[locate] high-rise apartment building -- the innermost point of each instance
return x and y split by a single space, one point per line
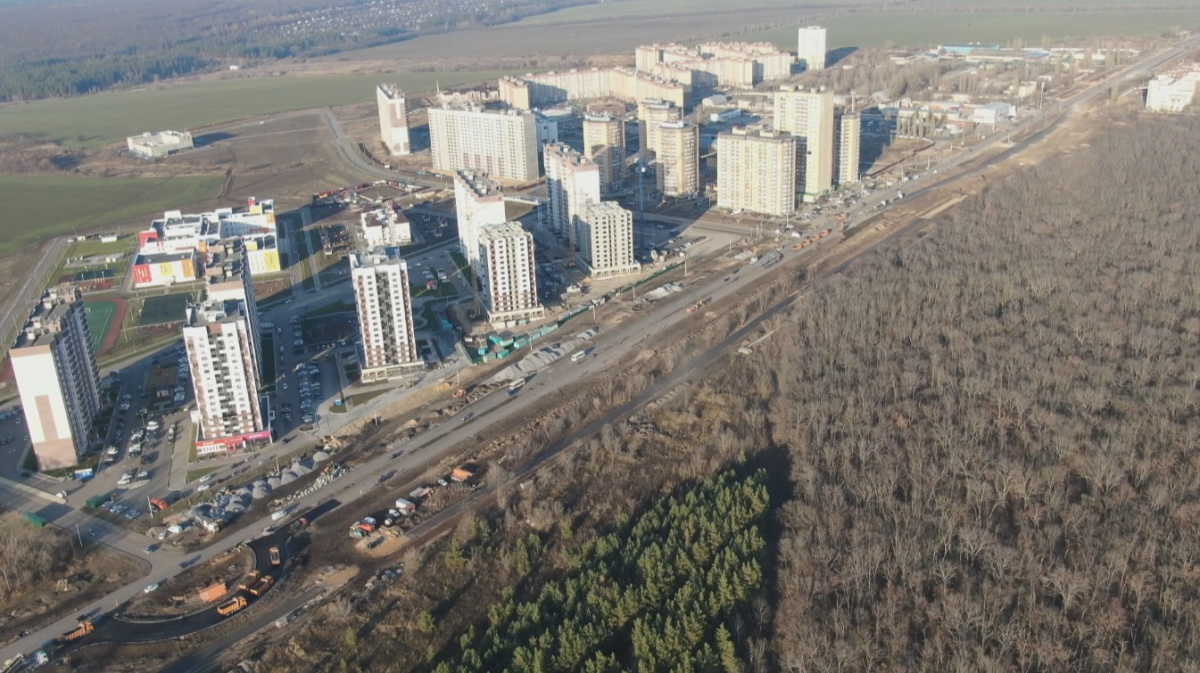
677 158
713 64
388 341
756 172
847 147
808 115
810 47
604 144
57 379
509 270
572 180
550 88
478 202
393 119
221 336
605 233
502 144
650 114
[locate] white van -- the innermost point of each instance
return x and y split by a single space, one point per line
276 516
578 356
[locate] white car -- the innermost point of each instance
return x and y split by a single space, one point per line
206 477
204 487
152 587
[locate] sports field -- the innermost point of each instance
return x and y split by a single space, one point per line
163 308
85 121
100 316
40 207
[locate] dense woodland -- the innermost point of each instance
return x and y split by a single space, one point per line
29 554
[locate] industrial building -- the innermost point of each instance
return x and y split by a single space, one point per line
159 145
677 159
58 379
388 345
166 268
847 147
756 172
478 202
1167 93
221 335
605 234
713 64
604 144
572 180
384 226
808 115
393 119
501 143
551 88
508 267
810 47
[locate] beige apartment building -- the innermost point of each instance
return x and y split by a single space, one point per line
572 180
650 113
847 147
808 115
756 172
383 298
551 88
605 233
712 64
677 159
478 202
509 271
604 144
502 144
393 119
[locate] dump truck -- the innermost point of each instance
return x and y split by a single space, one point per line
35 520
249 580
85 627
212 592
232 606
274 553
461 474
260 587
95 501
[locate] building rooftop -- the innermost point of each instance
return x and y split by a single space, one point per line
383 256
495 232
163 257
480 185
391 90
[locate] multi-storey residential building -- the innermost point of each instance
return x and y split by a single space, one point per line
808 115
501 143
847 147
677 159
572 180
551 88
756 172
604 144
393 119
388 341
650 113
221 335
714 64
506 258
478 202
57 379
605 233
810 47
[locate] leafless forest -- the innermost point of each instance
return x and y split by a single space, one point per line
992 431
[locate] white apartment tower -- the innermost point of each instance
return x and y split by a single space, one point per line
810 47
222 340
502 144
572 180
393 119
847 148
756 172
677 161
478 202
605 233
58 380
604 144
388 345
506 257
650 114
808 115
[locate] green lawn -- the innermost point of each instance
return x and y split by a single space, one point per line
161 308
85 121
100 315
39 207
1034 28
90 248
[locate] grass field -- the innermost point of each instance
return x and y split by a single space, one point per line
38 207
106 117
1035 28
163 308
100 316
89 248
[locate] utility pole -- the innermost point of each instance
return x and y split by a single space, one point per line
77 534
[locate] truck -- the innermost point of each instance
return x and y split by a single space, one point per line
461 474
212 592
274 553
95 501
232 606
35 520
261 586
85 627
249 580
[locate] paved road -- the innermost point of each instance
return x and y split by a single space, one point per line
349 154
610 348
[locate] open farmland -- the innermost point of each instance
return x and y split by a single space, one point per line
94 120
40 207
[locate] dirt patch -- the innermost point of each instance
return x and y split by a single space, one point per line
181 596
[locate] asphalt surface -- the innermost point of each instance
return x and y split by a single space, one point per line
609 348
